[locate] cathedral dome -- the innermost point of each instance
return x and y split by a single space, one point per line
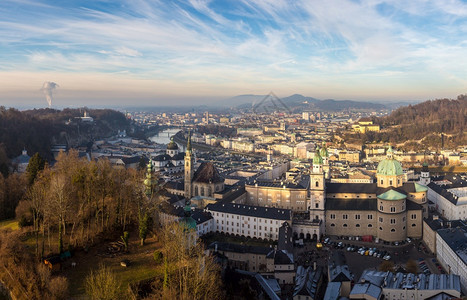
172 145
389 166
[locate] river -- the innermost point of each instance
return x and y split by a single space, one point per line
163 137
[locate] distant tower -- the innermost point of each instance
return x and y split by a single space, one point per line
282 126
269 156
188 168
206 118
425 175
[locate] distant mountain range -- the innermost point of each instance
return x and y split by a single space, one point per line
299 102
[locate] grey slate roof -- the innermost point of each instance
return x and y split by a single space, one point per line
411 281
368 188
237 248
307 281
351 204
252 211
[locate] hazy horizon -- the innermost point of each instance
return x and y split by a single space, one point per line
189 53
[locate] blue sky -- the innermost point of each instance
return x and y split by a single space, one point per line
176 52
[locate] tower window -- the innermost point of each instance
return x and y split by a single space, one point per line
316 184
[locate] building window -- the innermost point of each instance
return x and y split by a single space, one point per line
393 209
393 230
370 217
316 205
381 208
333 225
345 225
333 216
413 216
345 217
381 228
390 182
357 225
403 219
380 219
414 225
381 181
357 217
316 184
393 221
369 225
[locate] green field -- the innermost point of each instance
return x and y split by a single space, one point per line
9 224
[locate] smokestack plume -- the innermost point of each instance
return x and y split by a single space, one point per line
47 89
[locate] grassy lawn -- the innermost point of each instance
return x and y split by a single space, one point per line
9 224
142 266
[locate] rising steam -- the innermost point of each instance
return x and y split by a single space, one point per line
47 89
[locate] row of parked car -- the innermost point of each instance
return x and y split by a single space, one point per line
371 252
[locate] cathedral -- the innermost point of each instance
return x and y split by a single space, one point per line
171 162
389 210
205 181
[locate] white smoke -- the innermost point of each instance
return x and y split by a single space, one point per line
47 89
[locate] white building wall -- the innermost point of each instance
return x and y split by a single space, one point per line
451 262
262 228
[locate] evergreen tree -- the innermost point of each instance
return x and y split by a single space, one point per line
36 164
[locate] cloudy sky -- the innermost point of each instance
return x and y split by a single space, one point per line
114 52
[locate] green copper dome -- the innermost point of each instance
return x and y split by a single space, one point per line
392 195
188 223
389 166
317 159
172 145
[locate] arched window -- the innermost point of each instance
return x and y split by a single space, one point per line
333 225
393 230
196 191
345 225
357 225
209 191
369 225
202 191
317 184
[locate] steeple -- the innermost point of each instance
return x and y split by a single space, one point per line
390 153
188 143
188 168
148 182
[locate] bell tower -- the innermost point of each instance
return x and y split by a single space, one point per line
188 168
317 187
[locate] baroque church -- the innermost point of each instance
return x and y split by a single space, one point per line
389 210
205 181
171 162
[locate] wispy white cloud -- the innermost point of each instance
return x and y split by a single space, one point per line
234 45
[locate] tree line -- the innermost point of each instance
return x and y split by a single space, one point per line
431 119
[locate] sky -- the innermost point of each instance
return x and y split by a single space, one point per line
141 52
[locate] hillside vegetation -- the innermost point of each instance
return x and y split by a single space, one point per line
424 123
36 130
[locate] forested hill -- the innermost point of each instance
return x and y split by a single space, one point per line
35 130
443 115
423 124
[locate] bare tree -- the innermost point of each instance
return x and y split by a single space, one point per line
102 284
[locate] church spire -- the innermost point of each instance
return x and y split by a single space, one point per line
148 182
188 143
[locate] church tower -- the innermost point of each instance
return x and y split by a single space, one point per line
188 168
317 186
425 175
325 156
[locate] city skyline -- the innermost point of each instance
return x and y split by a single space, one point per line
199 52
